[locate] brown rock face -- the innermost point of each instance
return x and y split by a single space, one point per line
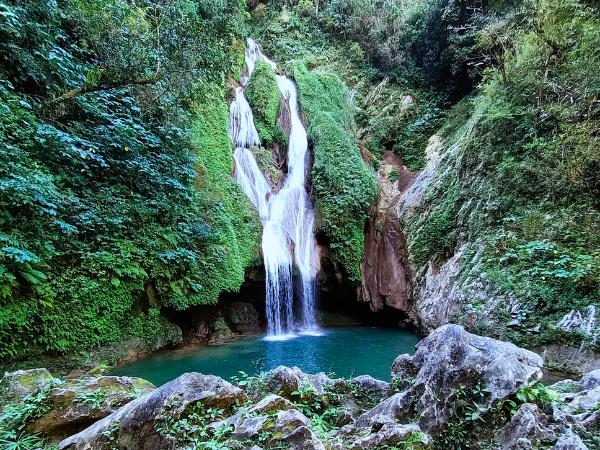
385 277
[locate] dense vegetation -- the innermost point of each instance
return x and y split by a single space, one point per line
263 96
115 190
343 184
512 89
525 160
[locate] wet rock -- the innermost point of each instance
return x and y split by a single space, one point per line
569 441
76 404
371 386
384 271
243 317
448 358
302 438
15 386
527 427
135 425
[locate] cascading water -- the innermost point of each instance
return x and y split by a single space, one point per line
288 239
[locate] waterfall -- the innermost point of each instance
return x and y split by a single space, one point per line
288 239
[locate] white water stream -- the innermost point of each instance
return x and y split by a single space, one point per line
287 216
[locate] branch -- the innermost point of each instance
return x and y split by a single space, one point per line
101 87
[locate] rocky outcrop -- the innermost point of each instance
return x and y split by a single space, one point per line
286 381
15 386
137 424
579 321
448 358
527 428
285 408
386 280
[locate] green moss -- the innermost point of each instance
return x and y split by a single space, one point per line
344 185
264 98
233 219
434 234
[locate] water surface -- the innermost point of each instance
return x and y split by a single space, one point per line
345 351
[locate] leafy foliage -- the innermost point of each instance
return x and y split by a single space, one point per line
519 175
113 204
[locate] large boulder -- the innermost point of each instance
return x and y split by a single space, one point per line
15 386
447 360
569 441
76 404
136 425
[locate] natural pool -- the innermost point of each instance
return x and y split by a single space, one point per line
346 351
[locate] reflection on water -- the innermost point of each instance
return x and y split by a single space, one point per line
343 351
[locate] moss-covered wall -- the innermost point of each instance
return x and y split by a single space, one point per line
234 220
264 98
344 186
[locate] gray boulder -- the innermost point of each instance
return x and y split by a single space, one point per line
269 404
285 380
248 427
396 408
290 420
527 427
15 386
302 438
569 441
135 426
451 357
390 435
590 380
76 404
371 386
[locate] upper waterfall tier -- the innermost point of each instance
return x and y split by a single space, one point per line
288 217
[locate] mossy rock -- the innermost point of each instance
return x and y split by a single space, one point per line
15 386
77 403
